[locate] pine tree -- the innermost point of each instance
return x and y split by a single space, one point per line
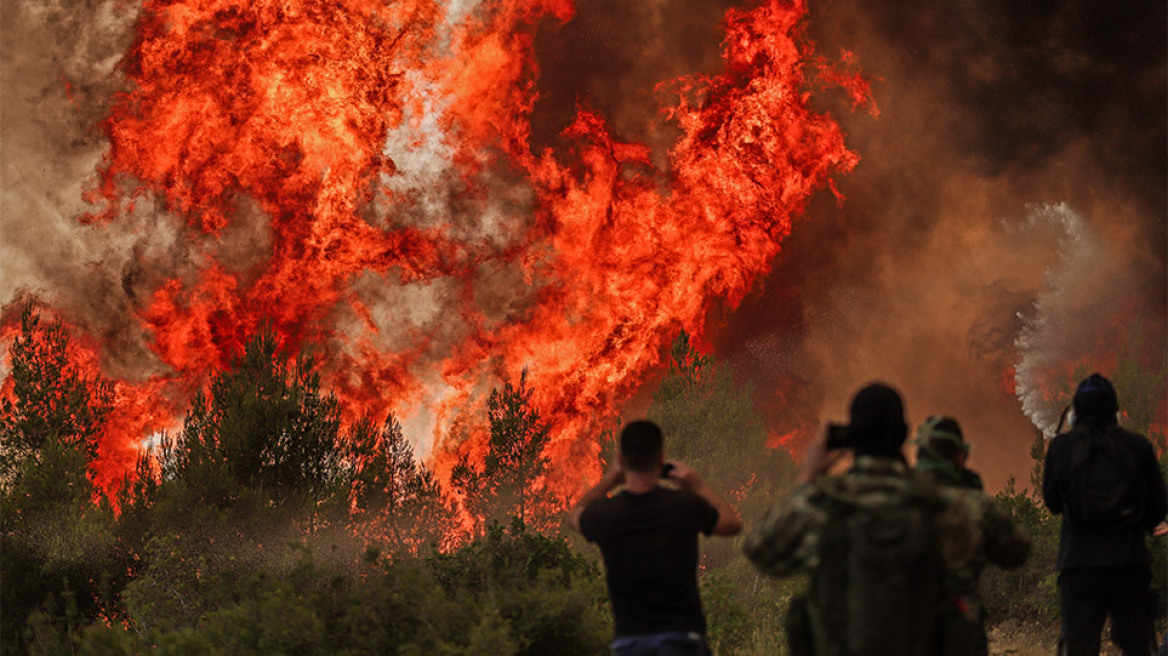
507 485
266 431
54 404
391 492
58 551
710 423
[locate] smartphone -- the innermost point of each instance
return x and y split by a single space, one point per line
837 437
666 470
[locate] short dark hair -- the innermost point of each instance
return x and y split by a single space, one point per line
641 445
877 425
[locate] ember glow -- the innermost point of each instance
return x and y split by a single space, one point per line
377 156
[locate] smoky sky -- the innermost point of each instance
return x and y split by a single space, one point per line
1013 185
990 114
989 111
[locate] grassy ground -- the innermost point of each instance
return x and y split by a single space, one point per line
1014 639
1006 639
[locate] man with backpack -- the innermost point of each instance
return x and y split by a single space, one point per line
1106 483
882 545
942 454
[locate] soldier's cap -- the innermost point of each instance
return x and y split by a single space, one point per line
940 428
877 425
1095 398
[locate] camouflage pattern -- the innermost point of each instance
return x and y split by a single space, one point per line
947 473
971 532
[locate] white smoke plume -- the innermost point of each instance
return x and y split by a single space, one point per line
1077 298
1057 325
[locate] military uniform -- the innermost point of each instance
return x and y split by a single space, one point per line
947 473
968 530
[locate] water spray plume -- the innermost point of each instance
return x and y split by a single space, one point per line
417 242
1076 319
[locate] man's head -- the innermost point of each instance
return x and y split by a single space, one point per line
1095 400
641 446
940 437
877 426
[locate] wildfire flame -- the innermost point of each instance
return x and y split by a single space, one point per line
409 232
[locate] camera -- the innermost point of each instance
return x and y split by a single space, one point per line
837 437
666 470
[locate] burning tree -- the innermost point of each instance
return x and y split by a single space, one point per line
59 551
508 483
52 411
266 430
393 495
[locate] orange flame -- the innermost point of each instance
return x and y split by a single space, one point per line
292 104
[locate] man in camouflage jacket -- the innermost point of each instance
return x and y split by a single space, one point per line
939 611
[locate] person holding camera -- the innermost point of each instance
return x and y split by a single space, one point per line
648 539
884 547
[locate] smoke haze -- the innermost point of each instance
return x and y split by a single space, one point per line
1008 211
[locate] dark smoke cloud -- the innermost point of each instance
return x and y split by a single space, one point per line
612 55
992 113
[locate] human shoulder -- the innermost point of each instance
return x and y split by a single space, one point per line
1132 438
599 512
966 500
1063 441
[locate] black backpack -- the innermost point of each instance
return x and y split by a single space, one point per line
879 586
1105 490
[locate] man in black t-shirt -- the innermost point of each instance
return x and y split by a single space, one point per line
648 537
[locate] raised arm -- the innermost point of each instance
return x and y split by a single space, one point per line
612 478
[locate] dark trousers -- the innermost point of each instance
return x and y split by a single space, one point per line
1088 595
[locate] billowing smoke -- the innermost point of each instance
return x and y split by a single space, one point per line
59 73
934 274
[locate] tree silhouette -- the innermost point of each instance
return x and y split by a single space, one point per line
507 485
59 552
266 428
53 403
391 491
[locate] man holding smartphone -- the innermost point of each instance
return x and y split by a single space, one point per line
647 534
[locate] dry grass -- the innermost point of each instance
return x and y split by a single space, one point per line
1036 639
1023 639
